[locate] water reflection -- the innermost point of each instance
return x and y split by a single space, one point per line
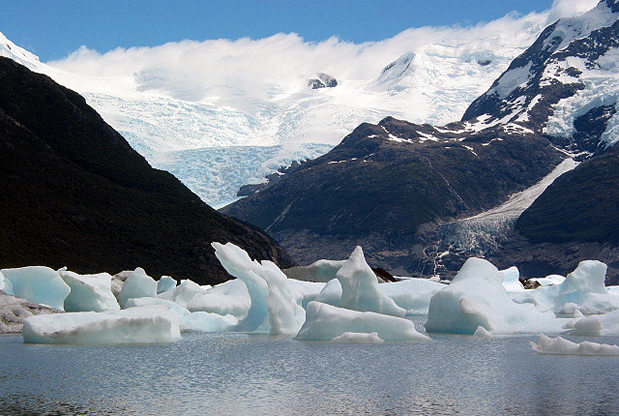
237 374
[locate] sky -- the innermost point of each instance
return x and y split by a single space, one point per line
54 29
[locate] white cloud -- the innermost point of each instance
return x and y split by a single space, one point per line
281 64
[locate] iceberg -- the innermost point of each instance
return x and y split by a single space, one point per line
175 308
183 293
5 285
38 284
207 322
325 322
275 306
511 280
562 346
476 298
137 285
595 325
146 324
331 293
412 294
583 289
358 338
91 292
165 283
228 298
319 271
360 287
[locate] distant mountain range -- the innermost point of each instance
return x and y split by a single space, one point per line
421 199
75 194
215 145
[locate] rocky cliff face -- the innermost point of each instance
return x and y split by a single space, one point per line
76 194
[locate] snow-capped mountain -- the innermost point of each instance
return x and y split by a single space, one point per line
217 138
566 82
423 198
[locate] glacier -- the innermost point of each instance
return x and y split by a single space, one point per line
217 132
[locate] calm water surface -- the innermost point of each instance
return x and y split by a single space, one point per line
239 374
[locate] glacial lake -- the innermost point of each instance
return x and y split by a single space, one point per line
242 374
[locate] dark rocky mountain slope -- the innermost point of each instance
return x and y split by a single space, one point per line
384 182
74 193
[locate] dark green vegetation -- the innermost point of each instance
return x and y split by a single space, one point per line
75 194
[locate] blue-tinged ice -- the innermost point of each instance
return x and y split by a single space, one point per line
275 306
476 297
89 292
137 285
413 295
208 322
331 293
511 280
183 293
174 307
38 284
360 287
146 324
165 283
326 322
228 298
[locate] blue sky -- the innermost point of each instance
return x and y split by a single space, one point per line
53 29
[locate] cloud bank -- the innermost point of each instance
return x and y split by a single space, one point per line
226 72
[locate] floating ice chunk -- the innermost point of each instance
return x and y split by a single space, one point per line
325 322
564 347
482 332
89 292
583 289
137 285
360 288
595 325
275 306
5 285
476 297
208 322
146 324
38 284
318 271
228 298
331 293
613 290
413 295
184 292
511 280
174 307
358 338
165 283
